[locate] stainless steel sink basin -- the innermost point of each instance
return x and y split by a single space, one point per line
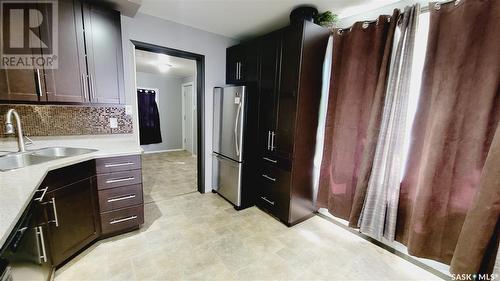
59 152
15 161
18 160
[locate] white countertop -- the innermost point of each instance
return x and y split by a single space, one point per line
17 187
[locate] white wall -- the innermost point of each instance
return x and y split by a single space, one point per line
169 34
169 107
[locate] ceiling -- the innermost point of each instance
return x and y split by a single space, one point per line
152 63
241 19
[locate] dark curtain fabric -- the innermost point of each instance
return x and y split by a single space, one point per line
149 118
358 83
456 120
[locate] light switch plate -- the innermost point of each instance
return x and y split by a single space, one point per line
113 123
128 109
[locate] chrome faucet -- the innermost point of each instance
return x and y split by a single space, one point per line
9 128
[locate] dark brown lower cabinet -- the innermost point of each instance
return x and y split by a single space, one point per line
89 200
72 219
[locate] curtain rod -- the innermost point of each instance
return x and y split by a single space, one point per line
423 9
427 7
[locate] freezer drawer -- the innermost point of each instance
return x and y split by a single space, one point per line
226 178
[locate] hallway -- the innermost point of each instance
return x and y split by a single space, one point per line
168 174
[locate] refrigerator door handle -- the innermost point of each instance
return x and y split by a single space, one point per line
238 111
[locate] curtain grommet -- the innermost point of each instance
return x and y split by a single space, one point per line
437 6
339 31
365 25
457 2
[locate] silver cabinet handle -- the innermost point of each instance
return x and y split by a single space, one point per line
238 71
126 197
38 82
91 86
270 160
54 208
120 180
268 177
123 220
44 190
267 200
110 165
84 87
39 233
272 140
268 140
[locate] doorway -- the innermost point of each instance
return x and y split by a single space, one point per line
188 118
173 159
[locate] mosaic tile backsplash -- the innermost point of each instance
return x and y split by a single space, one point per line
61 120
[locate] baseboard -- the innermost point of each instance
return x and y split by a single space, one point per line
160 151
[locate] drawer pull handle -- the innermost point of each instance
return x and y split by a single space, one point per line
111 165
267 200
123 220
270 160
44 190
120 180
268 177
121 198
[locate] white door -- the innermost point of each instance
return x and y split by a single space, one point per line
187 117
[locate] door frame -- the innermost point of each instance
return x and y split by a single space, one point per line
200 101
184 113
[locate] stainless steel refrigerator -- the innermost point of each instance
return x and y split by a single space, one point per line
228 157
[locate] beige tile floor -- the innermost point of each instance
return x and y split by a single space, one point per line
168 174
197 237
201 237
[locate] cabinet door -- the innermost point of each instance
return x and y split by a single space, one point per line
268 90
104 54
67 83
251 64
21 84
234 61
18 85
291 44
71 211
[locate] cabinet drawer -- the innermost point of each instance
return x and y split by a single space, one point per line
274 193
122 219
105 181
120 197
116 164
271 160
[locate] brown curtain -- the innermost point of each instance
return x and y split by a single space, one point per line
359 75
456 119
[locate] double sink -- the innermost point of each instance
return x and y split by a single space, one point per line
18 160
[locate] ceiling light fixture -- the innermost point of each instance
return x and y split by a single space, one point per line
164 67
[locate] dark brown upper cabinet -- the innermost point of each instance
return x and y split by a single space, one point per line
104 54
90 61
68 82
21 84
242 63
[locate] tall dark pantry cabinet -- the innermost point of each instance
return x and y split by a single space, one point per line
289 87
